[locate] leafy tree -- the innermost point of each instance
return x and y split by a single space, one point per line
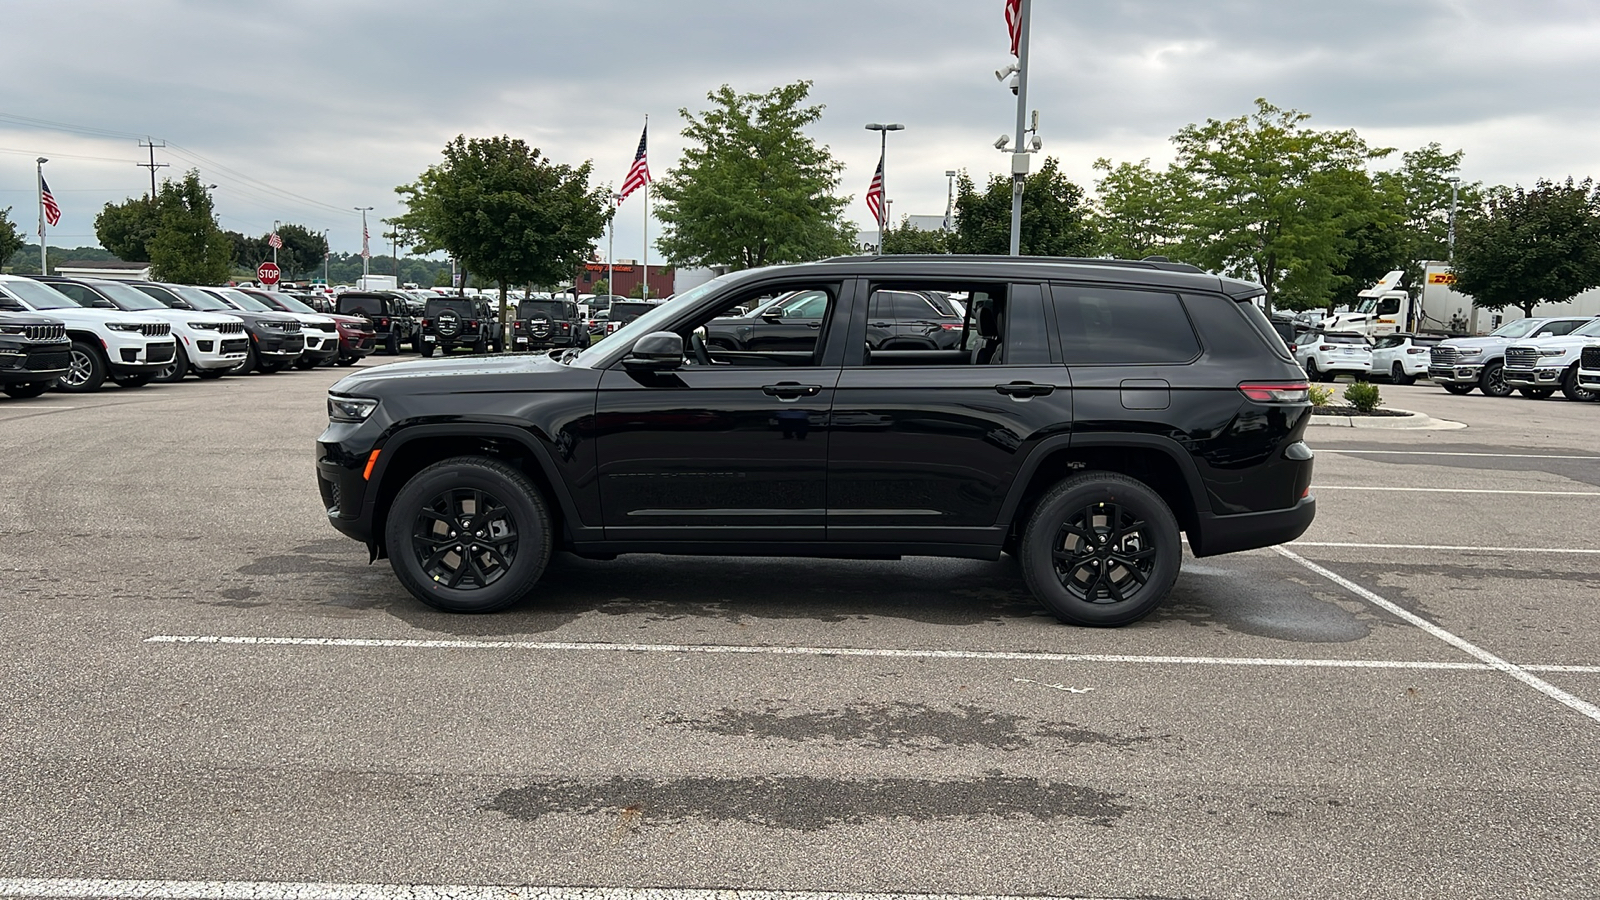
127 228
1055 216
188 247
10 236
1526 247
753 189
1137 211
601 287
505 211
907 239
1275 201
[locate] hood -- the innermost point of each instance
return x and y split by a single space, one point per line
189 315
1564 342
96 316
434 375
1485 341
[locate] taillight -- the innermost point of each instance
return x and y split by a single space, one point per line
1415 350
1276 391
1326 347
517 325
473 324
424 323
950 326
383 323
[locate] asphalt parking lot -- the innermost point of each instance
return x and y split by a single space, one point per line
204 684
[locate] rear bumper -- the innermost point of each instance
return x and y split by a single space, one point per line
1249 531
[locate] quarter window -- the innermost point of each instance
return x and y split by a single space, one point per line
1108 326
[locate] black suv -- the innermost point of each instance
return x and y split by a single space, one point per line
621 312
549 323
390 317
450 322
34 351
1090 412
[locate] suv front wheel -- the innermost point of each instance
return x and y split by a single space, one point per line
469 534
1101 549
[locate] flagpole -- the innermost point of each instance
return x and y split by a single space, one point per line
275 249
644 271
44 269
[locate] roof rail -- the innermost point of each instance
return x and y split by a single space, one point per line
1150 262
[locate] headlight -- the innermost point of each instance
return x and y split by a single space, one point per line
123 326
350 409
12 329
1471 351
1552 353
203 326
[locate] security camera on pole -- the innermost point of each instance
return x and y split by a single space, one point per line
1017 15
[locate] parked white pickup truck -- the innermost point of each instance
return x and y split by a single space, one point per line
1539 368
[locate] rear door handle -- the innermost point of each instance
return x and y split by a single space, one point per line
789 390
1025 389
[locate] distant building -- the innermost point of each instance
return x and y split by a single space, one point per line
627 275
867 241
113 269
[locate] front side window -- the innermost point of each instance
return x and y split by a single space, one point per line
40 296
1117 326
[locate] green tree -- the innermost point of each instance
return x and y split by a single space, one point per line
906 239
188 247
753 189
601 287
1275 201
505 211
127 228
1526 247
10 236
1137 210
1055 216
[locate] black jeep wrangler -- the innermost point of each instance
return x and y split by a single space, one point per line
451 322
542 324
390 317
1091 413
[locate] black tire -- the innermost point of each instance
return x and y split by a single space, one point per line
210 374
434 500
29 390
1398 375
1536 393
481 345
1457 389
427 351
134 381
1064 542
251 362
1313 373
176 370
346 361
86 370
1570 389
1493 380
267 368
391 346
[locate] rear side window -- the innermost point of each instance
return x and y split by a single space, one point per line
1108 326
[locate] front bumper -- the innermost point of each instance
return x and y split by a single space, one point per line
1456 374
342 474
1589 378
140 355
277 346
210 350
1543 377
25 363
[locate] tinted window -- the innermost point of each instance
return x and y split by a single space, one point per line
79 294
1109 325
1557 329
1343 339
1392 340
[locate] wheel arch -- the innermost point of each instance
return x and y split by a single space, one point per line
1158 462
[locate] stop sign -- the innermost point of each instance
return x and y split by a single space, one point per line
268 273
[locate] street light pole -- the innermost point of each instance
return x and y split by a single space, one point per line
1455 182
950 201
883 180
44 269
1019 157
611 245
327 253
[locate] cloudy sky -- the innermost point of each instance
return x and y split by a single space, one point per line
300 111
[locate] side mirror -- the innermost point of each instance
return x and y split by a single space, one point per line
772 312
658 351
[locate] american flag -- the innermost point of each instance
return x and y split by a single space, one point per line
1014 23
639 175
275 242
52 212
365 252
875 195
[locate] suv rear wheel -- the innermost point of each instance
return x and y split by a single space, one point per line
1101 549
469 534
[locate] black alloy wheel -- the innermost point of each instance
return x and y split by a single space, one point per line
1398 375
1493 380
1101 549
174 371
30 389
469 534
1457 389
86 370
1313 373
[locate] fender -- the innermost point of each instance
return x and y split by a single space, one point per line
1172 449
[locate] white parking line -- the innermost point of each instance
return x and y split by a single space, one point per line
1425 490
1518 672
33 408
291 890
1452 453
1484 549
739 649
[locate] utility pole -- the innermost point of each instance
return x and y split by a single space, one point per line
152 165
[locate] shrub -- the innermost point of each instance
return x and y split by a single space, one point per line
1320 396
1363 396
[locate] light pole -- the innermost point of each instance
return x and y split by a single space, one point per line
611 242
327 253
39 165
883 179
1455 182
1019 156
366 255
276 240
950 200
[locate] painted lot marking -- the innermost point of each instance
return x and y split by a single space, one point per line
1426 490
1521 673
1361 546
1455 453
288 890
736 649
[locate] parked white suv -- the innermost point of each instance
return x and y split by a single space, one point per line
129 348
208 344
1538 368
1402 358
1324 356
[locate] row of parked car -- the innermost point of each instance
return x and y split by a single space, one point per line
73 335
1535 357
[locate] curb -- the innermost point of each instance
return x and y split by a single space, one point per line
1413 421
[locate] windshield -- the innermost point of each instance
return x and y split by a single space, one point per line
198 299
1590 330
244 300
39 296
1366 306
1515 329
646 323
292 304
127 297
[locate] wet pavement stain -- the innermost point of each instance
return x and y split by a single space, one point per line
804 803
900 725
1255 603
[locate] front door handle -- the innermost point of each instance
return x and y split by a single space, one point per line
1024 389
789 390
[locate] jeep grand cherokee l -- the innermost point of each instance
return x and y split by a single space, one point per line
128 348
1091 412
34 351
270 340
206 342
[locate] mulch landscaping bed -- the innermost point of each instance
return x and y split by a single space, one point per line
1352 411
